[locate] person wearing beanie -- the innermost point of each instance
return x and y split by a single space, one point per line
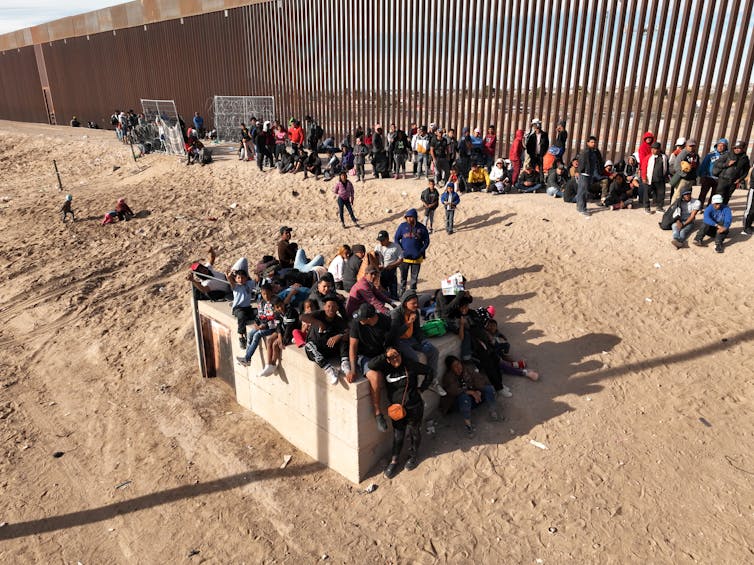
413 238
717 221
707 179
731 169
66 208
683 218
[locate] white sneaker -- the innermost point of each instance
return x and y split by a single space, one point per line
345 366
267 371
505 392
437 389
332 375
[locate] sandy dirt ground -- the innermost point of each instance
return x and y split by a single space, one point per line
645 405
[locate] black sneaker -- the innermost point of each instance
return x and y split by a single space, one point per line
411 464
698 242
242 342
470 429
381 423
719 249
390 470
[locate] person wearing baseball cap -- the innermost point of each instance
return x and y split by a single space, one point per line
391 256
286 249
687 167
673 157
413 238
717 220
731 170
366 291
684 216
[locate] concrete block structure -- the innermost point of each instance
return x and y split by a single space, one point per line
332 424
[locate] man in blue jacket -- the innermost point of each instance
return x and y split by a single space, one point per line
413 238
717 220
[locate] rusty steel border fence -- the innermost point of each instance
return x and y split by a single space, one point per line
612 68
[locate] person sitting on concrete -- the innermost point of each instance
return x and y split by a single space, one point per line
352 266
207 282
717 220
369 335
402 385
123 210
336 265
530 180
467 389
325 290
327 340
409 338
265 324
683 218
286 322
365 292
244 291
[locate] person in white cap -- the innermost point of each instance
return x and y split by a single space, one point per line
717 220
680 143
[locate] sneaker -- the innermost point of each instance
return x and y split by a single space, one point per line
242 361
437 389
585 213
719 249
345 366
242 342
698 242
531 375
494 416
746 231
520 364
411 464
470 429
647 210
267 371
505 392
677 244
332 375
381 423
390 470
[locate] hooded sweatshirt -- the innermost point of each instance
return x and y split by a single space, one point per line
516 152
733 172
413 240
644 151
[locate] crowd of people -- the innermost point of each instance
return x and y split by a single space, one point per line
360 316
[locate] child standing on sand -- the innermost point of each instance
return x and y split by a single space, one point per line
66 208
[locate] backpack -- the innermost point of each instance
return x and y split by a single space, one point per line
668 217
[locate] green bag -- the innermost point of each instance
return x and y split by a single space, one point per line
434 328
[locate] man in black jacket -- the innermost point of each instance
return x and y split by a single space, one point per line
590 165
327 339
537 144
730 170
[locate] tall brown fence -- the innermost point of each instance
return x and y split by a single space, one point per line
609 67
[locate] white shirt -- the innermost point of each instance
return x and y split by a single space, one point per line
389 253
336 268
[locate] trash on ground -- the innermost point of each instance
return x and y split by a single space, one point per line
286 460
537 444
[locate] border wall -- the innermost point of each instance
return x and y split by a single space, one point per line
609 67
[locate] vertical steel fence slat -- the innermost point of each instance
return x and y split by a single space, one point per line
628 139
747 37
586 126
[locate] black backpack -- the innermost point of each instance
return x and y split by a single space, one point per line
666 223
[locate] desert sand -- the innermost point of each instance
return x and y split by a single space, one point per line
645 403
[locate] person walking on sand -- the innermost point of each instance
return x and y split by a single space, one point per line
66 208
344 194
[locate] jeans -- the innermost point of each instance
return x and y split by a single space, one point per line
429 218
347 204
464 402
554 191
305 265
449 217
421 165
410 348
255 336
400 163
404 269
529 189
683 233
581 193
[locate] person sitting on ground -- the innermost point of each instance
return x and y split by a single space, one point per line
67 208
530 180
556 180
390 256
466 389
352 266
479 179
207 282
409 338
683 218
194 150
75 122
313 165
551 157
402 385
369 335
500 181
123 210
327 340
336 265
110 218
621 194
717 221
244 291
332 169
604 182
264 325
499 344
365 292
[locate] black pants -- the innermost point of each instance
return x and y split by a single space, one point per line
245 315
712 232
708 185
262 152
389 282
442 170
725 187
409 428
321 354
749 210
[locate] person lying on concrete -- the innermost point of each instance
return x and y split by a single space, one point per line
401 376
467 389
208 283
327 340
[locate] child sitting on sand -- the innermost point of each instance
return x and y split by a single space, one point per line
66 208
123 210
